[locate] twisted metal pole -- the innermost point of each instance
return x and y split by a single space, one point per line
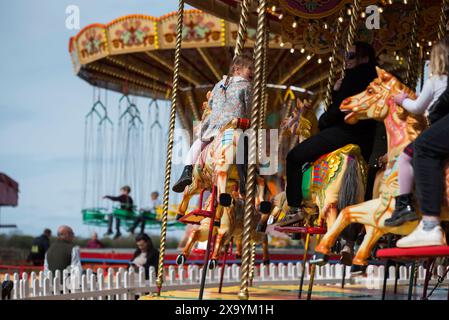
241 35
264 78
163 238
253 263
252 154
356 9
333 66
264 97
411 73
443 20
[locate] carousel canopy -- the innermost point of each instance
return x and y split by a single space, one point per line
134 54
309 25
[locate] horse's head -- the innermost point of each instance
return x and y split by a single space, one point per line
374 102
302 122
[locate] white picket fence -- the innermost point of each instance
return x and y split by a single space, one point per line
129 284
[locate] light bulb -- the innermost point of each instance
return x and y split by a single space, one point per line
294 24
319 60
302 50
281 16
292 50
273 8
309 57
282 44
340 19
325 25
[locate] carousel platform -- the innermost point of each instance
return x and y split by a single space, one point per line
290 292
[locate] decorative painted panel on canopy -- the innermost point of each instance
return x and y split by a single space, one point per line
140 33
132 33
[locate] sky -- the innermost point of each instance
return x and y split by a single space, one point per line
43 104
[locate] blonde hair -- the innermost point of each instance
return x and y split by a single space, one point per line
439 59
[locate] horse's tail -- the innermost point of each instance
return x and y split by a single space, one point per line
351 188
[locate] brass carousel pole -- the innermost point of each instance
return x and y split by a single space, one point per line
356 10
443 20
333 66
261 126
241 36
411 74
160 275
252 154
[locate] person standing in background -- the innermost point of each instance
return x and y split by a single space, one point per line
63 254
146 255
39 247
94 243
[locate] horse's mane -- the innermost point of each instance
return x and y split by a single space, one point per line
415 123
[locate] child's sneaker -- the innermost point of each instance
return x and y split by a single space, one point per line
422 238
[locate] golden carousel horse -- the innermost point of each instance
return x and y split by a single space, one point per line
332 182
402 127
231 228
217 167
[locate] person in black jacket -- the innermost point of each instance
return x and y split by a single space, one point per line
334 132
145 255
126 203
39 247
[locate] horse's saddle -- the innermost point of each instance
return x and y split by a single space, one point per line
319 174
238 123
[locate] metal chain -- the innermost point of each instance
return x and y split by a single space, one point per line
179 25
252 154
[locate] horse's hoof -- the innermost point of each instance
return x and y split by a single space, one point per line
225 199
179 216
238 256
180 260
266 262
261 227
265 207
217 223
358 270
319 258
212 264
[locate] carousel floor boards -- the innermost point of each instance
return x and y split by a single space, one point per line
290 292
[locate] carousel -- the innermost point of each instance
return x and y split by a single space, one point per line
298 48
